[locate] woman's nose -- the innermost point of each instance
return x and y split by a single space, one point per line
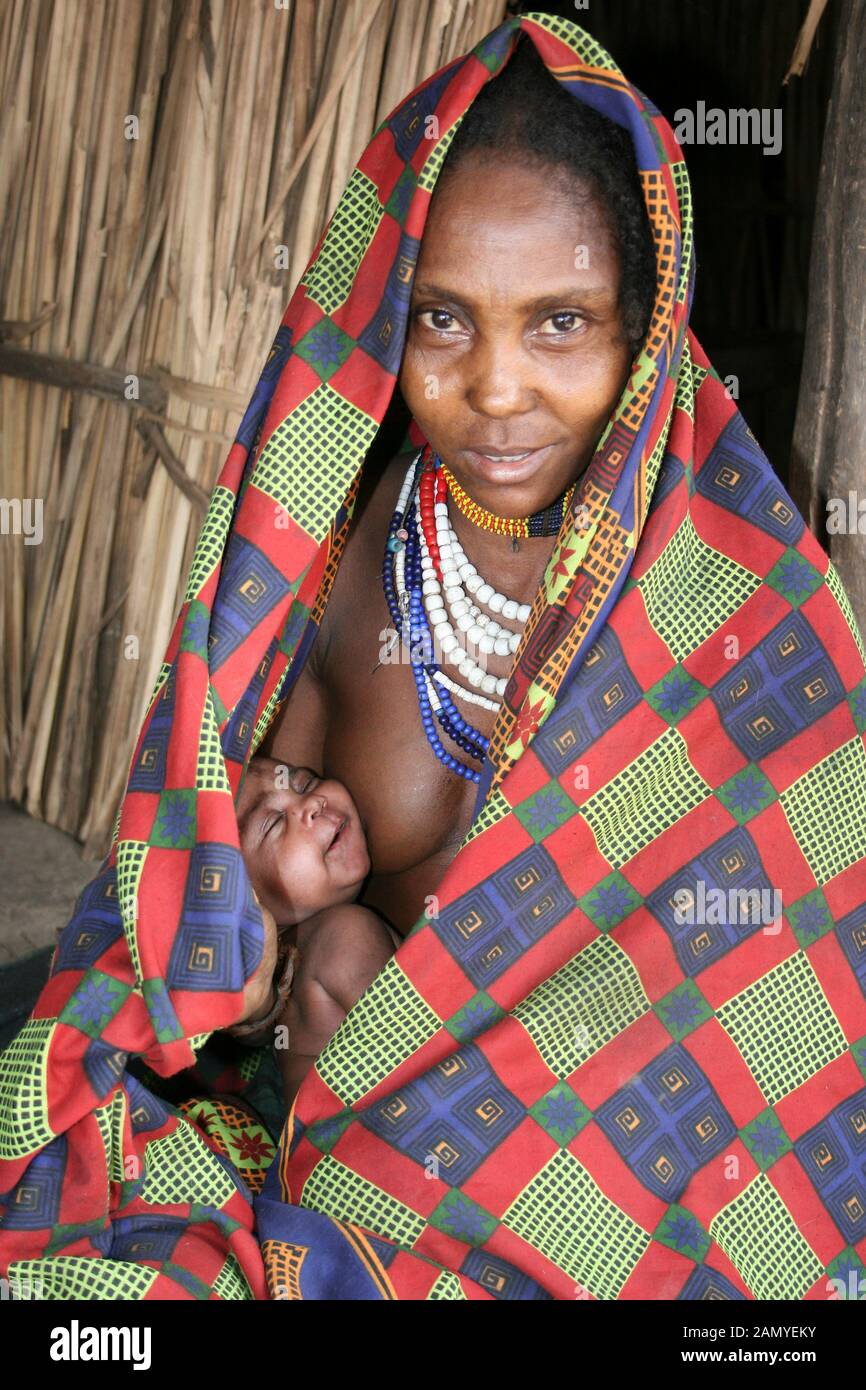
498 380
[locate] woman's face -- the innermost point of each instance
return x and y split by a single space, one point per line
515 354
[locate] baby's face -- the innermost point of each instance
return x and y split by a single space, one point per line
301 838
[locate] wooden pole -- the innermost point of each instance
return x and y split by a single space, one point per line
829 449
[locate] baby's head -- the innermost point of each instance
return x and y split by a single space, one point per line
302 840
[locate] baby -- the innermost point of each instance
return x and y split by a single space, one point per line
306 854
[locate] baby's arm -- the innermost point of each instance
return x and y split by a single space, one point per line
341 950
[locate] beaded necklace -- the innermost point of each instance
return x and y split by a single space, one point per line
542 523
434 596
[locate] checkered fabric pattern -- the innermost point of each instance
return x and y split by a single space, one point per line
592 1074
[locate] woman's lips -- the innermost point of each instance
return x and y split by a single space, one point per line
511 467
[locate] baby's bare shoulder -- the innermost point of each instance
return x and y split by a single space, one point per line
342 950
347 922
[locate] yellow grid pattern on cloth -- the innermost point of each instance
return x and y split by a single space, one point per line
495 808
834 584
231 1282
430 172
588 1001
110 1119
211 542
565 1215
70 1277
649 796
784 1027
180 1168
692 589
758 1235
390 1010
330 277
313 452
210 769
24 1126
448 1287
829 826
346 1196
131 855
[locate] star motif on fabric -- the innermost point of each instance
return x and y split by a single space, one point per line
465 1220
611 903
748 793
195 629
528 721
683 1232
545 812
683 1010
677 693
161 1011
560 569
475 1017
795 577
253 1147
811 917
766 1139
327 1132
176 820
94 1001
561 1112
326 346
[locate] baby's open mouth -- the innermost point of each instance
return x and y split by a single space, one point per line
339 833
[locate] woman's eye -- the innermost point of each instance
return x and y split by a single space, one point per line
442 320
564 321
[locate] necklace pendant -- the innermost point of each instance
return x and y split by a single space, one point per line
515 544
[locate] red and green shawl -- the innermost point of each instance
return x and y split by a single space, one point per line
563 1084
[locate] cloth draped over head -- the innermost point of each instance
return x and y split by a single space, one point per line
582 1077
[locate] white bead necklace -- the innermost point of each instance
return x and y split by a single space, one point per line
459 577
446 639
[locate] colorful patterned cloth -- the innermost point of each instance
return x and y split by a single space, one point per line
557 1087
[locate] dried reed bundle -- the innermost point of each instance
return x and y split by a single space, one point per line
155 156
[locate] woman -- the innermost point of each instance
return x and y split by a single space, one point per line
584 1073
532 294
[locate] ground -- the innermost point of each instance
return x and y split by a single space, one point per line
42 875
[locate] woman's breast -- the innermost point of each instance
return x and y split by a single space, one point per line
416 811
412 805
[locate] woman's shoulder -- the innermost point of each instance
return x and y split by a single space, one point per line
379 489
374 507
362 555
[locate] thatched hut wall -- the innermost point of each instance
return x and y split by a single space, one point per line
167 167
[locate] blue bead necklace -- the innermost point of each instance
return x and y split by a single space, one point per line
436 706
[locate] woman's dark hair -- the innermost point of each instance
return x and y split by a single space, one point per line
527 114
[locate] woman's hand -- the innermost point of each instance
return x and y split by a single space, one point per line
259 989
